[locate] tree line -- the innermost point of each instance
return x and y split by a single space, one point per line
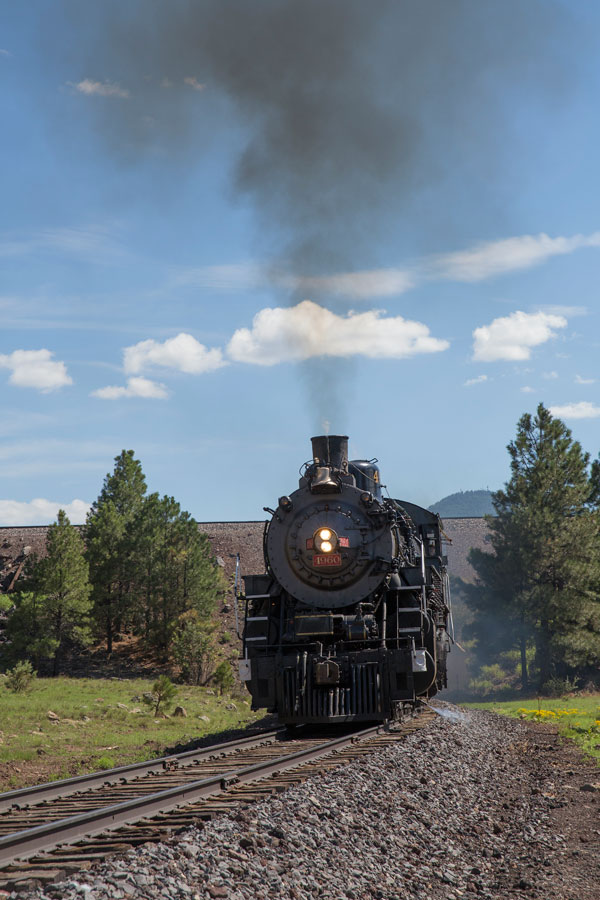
535 604
139 565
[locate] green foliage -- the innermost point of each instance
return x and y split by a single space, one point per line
112 544
176 570
149 564
558 687
55 610
6 602
194 647
27 637
223 677
163 694
148 567
20 678
539 585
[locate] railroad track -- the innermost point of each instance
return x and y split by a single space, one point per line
50 831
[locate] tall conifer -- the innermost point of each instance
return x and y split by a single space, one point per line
61 590
542 580
111 544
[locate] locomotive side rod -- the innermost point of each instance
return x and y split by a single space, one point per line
23 844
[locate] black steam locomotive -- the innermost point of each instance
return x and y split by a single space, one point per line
350 620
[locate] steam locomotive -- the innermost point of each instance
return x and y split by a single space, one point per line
350 622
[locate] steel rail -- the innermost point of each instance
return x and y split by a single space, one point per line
22 844
39 793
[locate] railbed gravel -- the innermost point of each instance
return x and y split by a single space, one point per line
445 813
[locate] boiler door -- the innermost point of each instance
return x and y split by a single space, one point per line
327 551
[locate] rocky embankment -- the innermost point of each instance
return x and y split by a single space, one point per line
475 806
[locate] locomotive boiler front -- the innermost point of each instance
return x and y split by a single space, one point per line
349 620
330 543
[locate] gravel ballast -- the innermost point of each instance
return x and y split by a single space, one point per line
473 806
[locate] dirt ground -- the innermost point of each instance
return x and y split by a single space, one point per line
568 785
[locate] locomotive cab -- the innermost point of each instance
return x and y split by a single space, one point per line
349 620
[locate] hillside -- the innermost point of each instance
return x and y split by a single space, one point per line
465 503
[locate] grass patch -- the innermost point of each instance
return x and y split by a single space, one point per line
577 717
92 731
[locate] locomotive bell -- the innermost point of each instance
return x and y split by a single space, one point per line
322 482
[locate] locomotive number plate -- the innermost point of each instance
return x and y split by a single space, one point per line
327 559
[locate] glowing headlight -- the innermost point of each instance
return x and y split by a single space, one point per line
325 534
326 546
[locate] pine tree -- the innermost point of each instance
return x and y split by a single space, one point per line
111 544
543 577
62 591
176 571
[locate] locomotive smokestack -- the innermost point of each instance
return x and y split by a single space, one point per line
331 450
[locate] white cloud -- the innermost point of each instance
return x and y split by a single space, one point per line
507 255
41 512
94 242
194 83
136 387
527 390
35 369
582 410
5 53
232 276
549 376
356 285
478 380
182 352
484 260
99 88
561 310
307 330
580 380
512 337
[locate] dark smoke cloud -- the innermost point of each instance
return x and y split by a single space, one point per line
346 114
341 110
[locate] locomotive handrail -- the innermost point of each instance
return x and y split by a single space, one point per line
235 595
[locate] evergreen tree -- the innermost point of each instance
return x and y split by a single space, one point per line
194 647
112 546
176 571
541 581
27 637
57 609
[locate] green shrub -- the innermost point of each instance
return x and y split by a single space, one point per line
223 677
557 687
491 679
194 647
163 694
20 678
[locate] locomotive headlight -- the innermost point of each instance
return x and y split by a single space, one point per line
325 540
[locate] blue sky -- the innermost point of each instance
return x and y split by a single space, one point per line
189 272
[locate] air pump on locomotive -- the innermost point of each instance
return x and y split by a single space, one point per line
350 620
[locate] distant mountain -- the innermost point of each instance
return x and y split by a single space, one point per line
465 503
